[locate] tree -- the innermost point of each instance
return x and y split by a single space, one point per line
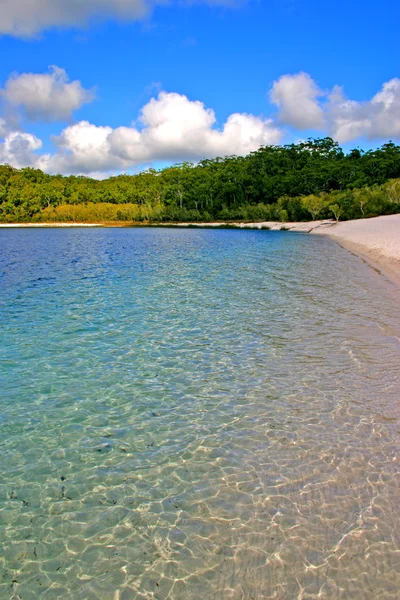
314 205
393 190
303 179
337 211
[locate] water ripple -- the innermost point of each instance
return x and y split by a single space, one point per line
195 413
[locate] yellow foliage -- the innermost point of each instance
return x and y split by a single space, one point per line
392 188
100 212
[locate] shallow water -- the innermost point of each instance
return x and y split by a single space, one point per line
196 414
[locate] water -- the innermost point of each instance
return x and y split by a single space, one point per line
196 414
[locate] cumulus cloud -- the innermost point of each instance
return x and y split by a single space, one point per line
27 18
378 118
303 105
172 128
46 96
82 148
19 149
296 97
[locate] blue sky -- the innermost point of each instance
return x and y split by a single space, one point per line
288 68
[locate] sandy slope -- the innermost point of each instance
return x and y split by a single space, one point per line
380 234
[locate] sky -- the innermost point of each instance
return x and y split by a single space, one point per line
100 87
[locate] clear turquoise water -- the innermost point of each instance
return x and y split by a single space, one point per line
196 414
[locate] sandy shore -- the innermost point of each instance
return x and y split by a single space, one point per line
377 240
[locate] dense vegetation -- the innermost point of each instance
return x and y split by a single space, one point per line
288 183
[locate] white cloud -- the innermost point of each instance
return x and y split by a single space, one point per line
296 97
18 149
172 128
46 96
378 118
27 18
82 148
303 105
24 18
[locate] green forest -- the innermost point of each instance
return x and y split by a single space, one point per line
297 182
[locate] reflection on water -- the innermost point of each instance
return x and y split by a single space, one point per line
196 414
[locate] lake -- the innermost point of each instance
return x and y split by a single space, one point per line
195 414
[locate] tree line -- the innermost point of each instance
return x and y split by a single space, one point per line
312 179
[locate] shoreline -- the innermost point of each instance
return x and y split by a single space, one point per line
376 240
383 266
